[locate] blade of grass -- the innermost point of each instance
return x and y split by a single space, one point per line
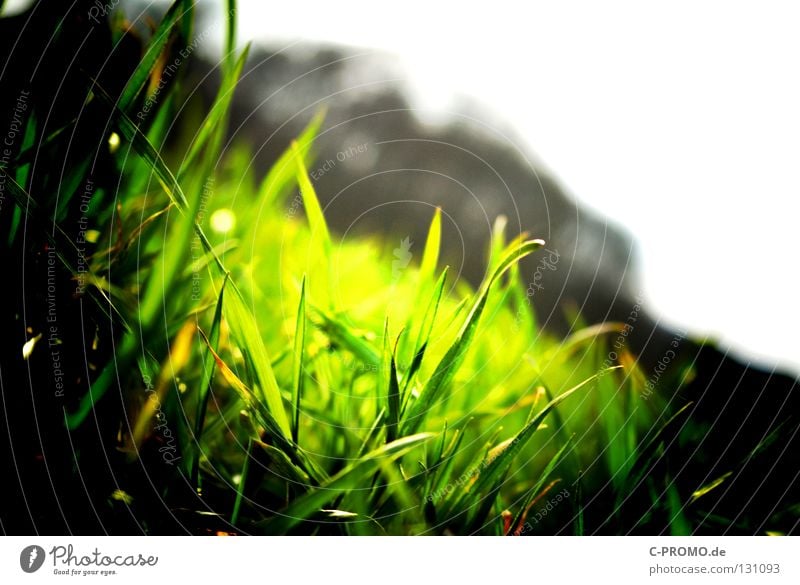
166 265
515 527
372 435
497 244
430 255
427 270
699 493
525 313
27 153
455 355
389 386
519 519
437 457
298 365
679 525
130 131
204 389
230 36
340 334
28 142
282 174
237 504
444 469
216 120
58 239
561 431
316 220
579 527
245 331
350 478
425 329
495 467
241 320
285 466
265 418
144 70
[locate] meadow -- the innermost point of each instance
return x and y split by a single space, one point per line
252 372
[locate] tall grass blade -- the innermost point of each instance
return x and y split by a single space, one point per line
144 70
216 120
248 337
340 334
282 175
425 329
679 525
430 258
204 389
390 386
709 487
579 525
237 504
316 220
298 373
430 255
455 355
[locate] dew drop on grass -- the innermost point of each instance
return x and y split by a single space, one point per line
122 496
27 349
223 220
113 142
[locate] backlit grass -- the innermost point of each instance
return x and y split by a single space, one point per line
300 382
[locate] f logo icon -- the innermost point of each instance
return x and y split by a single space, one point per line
31 558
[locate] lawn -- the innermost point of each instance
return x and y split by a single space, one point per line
210 358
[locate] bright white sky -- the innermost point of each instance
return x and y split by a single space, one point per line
680 122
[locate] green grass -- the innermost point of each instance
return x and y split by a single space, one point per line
372 403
